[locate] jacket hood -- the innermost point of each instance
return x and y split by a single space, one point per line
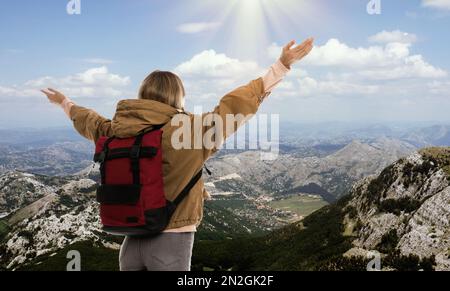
136 115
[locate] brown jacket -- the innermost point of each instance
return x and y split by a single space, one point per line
179 166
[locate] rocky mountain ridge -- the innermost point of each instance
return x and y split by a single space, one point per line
405 209
403 214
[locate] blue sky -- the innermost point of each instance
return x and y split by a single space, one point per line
380 68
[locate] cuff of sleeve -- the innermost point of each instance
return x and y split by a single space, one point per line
280 68
263 97
67 105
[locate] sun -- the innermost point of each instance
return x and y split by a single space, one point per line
250 4
252 25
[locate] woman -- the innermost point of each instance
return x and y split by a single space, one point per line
161 97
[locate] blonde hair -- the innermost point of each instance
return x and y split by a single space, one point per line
164 87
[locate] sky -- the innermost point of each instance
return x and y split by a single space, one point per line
381 68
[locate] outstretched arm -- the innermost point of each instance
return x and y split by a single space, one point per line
245 100
87 122
289 56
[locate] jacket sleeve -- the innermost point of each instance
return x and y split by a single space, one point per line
90 124
234 110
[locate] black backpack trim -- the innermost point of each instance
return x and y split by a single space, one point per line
118 194
123 153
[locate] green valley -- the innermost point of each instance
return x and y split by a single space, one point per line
302 205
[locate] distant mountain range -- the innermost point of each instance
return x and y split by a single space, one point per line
437 135
332 174
58 159
61 151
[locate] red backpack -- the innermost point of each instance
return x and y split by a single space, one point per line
131 194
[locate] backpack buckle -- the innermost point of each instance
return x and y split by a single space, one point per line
100 158
135 151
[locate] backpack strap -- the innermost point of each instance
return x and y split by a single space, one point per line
135 154
104 154
134 157
123 153
185 192
153 128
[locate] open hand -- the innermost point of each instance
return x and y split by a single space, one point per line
54 96
293 54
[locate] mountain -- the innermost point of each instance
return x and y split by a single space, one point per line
334 173
20 189
52 151
436 135
405 209
61 151
403 213
64 158
26 138
63 214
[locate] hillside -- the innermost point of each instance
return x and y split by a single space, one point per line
65 215
18 190
44 215
403 213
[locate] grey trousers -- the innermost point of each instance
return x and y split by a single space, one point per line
165 252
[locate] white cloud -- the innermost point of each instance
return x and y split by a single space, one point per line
439 4
214 65
338 54
390 61
384 71
312 87
393 36
286 85
13 91
209 73
197 27
95 77
413 67
95 82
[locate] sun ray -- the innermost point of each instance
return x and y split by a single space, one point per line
249 31
248 27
